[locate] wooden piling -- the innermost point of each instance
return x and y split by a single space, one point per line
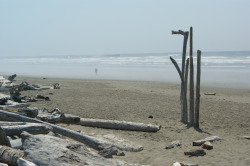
197 101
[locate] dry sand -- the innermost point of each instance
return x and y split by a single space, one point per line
227 115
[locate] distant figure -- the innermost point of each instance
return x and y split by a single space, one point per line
96 71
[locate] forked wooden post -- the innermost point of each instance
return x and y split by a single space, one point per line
191 93
197 101
182 73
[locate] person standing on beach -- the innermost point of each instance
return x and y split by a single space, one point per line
96 70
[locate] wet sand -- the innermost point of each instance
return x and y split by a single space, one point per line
226 114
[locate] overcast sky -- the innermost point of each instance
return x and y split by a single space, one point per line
79 27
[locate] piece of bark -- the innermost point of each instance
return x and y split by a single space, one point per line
3 138
208 139
173 144
9 155
23 162
109 152
33 128
88 140
195 152
119 125
207 145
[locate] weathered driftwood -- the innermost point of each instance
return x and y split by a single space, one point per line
30 112
88 140
173 144
12 77
9 155
208 139
68 118
191 84
56 116
33 128
6 123
3 138
185 110
182 98
246 137
209 93
2 164
23 162
197 101
119 125
183 164
195 152
64 152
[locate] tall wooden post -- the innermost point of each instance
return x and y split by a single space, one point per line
185 92
197 101
191 93
182 102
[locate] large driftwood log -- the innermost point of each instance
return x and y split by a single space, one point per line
9 155
64 152
88 140
197 101
191 85
208 139
119 125
33 128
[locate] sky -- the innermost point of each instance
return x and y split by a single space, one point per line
82 27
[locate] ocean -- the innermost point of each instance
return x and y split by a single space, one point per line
225 68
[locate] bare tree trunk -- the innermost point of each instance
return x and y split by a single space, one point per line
197 102
191 93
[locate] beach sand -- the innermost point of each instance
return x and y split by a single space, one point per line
226 114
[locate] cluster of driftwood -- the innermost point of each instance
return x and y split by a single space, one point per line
191 118
204 143
31 136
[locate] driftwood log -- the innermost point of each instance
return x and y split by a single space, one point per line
208 139
32 128
9 155
119 125
88 140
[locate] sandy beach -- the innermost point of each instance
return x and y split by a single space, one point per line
226 114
